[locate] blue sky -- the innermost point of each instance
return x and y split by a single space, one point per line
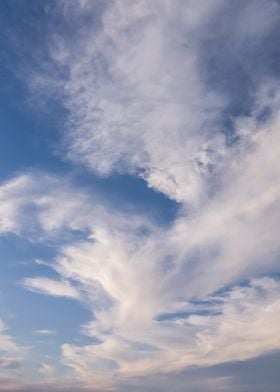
139 195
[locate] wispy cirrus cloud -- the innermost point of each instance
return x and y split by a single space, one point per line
9 363
141 95
46 370
7 343
242 315
47 332
129 280
50 287
162 91
117 100
12 354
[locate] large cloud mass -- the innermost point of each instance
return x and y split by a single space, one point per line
171 92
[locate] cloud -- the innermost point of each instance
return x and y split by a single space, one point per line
9 363
46 370
46 332
129 279
15 384
131 115
251 375
12 357
136 87
34 200
234 237
244 325
7 344
50 287
45 207
155 89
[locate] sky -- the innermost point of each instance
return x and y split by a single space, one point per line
139 195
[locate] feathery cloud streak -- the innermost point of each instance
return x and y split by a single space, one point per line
145 96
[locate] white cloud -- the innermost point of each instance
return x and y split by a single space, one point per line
46 332
136 100
128 279
35 200
11 198
12 357
27 194
233 237
245 325
46 370
138 104
7 343
9 363
41 207
51 287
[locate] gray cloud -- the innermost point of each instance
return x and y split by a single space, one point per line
9 363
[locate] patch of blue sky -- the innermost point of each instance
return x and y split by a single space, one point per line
235 63
25 140
27 311
131 194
